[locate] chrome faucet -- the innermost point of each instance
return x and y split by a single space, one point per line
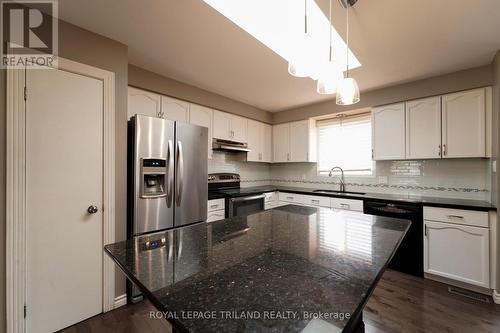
342 183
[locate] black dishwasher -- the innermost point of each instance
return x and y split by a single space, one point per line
409 258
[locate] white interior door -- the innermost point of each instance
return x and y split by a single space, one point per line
64 176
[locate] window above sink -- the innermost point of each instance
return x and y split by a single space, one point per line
346 141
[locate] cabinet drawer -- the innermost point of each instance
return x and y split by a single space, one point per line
274 204
456 216
313 200
290 197
347 204
457 252
270 196
216 215
216 204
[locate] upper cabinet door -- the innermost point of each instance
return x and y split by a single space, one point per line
239 128
267 143
464 122
255 133
202 116
299 141
388 126
281 143
143 102
423 128
222 125
174 109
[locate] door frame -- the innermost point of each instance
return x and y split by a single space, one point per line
16 188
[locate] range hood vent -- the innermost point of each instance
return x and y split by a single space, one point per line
229 146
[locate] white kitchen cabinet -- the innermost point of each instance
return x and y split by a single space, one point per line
229 127
267 150
216 210
464 124
457 252
202 116
295 142
457 245
174 109
143 102
281 143
388 131
221 125
239 126
423 128
259 142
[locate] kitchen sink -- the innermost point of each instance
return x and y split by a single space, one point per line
339 192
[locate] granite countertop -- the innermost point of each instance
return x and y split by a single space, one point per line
404 198
266 272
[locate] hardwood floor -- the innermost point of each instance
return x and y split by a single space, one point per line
400 303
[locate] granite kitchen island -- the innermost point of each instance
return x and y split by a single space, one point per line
289 269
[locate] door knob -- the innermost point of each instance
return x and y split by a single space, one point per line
92 209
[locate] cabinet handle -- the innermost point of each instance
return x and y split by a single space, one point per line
288 156
439 150
372 153
214 206
444 150
451 217
289 198
346 206
315 201
425 230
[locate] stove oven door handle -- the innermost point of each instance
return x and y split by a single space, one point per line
253 197
232 201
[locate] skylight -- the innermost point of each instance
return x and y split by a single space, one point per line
279 24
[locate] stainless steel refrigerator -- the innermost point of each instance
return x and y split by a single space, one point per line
167 174
167 181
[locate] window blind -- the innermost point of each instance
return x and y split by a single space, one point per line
345 141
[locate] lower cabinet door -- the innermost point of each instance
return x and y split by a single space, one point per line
457 252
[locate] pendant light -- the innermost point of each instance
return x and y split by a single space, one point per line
298 65
331 74
347 90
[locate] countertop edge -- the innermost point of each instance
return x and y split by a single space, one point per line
372 197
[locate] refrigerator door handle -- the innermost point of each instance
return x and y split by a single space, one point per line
170 171
181 236
179 172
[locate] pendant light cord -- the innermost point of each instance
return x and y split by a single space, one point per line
330 29
347 38
305 17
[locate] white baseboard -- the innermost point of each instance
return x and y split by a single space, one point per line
496 297
120 300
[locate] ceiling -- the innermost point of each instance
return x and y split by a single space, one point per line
395 41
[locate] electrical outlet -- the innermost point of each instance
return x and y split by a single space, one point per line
494 166
382 180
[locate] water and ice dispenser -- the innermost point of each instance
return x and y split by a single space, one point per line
153 178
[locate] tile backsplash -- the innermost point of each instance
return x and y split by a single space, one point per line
457 178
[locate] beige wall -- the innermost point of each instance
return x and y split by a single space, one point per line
85 47
144 79
2 198
462 80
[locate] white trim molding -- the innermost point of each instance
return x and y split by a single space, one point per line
16 189
120 301
496 297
